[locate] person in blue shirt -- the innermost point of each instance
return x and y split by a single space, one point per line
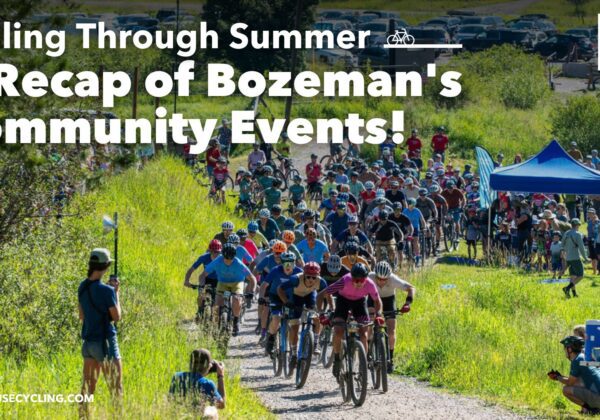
241 253
267 226
582 386
298 294
340 176
311 248
272 260
337 221
418 222
279 275
99 309
329 203
352 230
195 384
214 251
231 274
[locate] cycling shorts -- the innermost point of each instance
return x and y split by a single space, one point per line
308 301
236 288
388 305
358 308
456 214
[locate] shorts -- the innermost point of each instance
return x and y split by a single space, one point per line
556 264
219 184
456 214
590 398
593 251
358 308
101 351
471 242
575 268
209 170
236 288
300 302
388 306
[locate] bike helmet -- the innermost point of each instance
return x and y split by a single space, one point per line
341 205
380 192
394 184
215 246
475 184
334 265
573 341
229 251
396 172
221 160
359 271
383 215
311 233
279 247
450 183
369 185
411 201
301 206
408 181
312 268
288 257
289 223
308 214
467 166
435 188
353 174
379 200
288 236
468 176
333 192
297 178
397 205
264 214
383 269
267 168
330 174
343 197
242 233
428 175
253 227
276 208
233 239
227 225
422 191
351 247
352 220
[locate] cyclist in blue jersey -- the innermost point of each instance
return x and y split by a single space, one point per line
337 221
313 249
418 222
279 275
266 225
214 251
231 274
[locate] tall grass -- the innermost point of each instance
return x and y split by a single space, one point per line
166 222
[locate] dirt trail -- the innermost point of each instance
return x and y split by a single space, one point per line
321 397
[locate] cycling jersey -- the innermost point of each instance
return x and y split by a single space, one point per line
427 208
266 264
344 287
356 188
337 223
259 239
368 196
415 216
328 186
331 278
265 181
233 273
343 236
328 204
389 289
395 196
204 260
276 278
220 175
386 232
440 203
402 221
243 255
316 253
454 198
251 248
272 196
411 192
346 262
270 229
341 179
297 287
245 189
297 192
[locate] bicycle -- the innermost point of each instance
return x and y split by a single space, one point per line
400 37
379 354
208 302
226 312
325 342
305 347
281 351
353 370
450 234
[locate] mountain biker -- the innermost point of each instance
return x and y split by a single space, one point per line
299 293
266 225
256 236
352 291
313 174
273 258
418 222
414 144
214 251
231 274
387 235
213 153
245 184
220 174
309 217
241 252
329 185
247 243
329 204
410 189
352 230
277 216
265 179
356 187
370 175
582 386
272 194
340 176
337 221
99 309
456 202
311 248
226 230
333 270
439 142
387 283
256 157
288 238
296 191
351 256
280 274
442 209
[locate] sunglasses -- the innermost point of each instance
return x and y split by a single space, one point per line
310 277
277 254
358 281
382 279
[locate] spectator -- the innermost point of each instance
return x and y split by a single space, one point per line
575 152
593 234
256 157
575 253
595 159
224 137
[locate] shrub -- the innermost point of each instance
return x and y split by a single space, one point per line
578 120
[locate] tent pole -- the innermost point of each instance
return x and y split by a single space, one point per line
489 238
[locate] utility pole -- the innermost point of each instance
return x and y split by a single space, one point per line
294 58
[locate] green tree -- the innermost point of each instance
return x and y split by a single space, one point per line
578 120
259 15
579 10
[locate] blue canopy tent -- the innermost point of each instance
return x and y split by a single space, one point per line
551 171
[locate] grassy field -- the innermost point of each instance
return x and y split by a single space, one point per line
165 223
494 335
562 13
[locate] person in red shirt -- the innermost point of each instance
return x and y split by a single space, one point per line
220 174
213 153
313 173
414 144
439 143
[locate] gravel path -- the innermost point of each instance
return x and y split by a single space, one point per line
320 396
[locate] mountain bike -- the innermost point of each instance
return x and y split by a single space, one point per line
281 351
205 308
353 370
325 344
379 354
451 238
226 312
305 347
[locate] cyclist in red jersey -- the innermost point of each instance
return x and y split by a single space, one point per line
414 144
439 143
313 173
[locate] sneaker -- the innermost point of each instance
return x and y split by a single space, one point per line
270 344
317 350
262 340
293 362
390 367
236 329
337 365
574 293
566 292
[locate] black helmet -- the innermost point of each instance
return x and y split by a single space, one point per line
359 271
229 251
383 215
573 341
351 247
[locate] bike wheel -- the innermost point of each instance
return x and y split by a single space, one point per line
326 348
381 360
373 366
324 159
280 176
344 378
290 176
357 375
305 359
277 365
284 351
448 237
229 184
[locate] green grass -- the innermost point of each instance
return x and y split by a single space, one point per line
561 12
494 336
165 223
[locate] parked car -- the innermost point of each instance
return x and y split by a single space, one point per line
562 45
591 33
468 31
123 20
162 14
534 25
449 23
331 14
537 37
429 35
483 20
383 14
381 26
336 56
378 56
335 26
500 36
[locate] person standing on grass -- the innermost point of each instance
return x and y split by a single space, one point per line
575 253
593 234
582 386
99 309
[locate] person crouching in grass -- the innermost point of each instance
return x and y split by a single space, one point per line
99 309
195 384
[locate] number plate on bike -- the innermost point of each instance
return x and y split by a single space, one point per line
226 295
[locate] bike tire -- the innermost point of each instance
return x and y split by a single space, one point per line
284 349
325 338
375 376
277 365
280 176
447 238
382 363
357 375
305 360
324 159
229 183
290 176
343 379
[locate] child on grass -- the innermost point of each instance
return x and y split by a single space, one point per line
556 253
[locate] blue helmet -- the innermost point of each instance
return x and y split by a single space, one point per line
253 226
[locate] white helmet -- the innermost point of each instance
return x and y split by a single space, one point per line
380 192
383 269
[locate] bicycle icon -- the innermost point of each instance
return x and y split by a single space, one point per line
401 37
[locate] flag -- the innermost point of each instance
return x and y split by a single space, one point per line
485 166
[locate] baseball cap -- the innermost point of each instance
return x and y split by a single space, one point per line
100 256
